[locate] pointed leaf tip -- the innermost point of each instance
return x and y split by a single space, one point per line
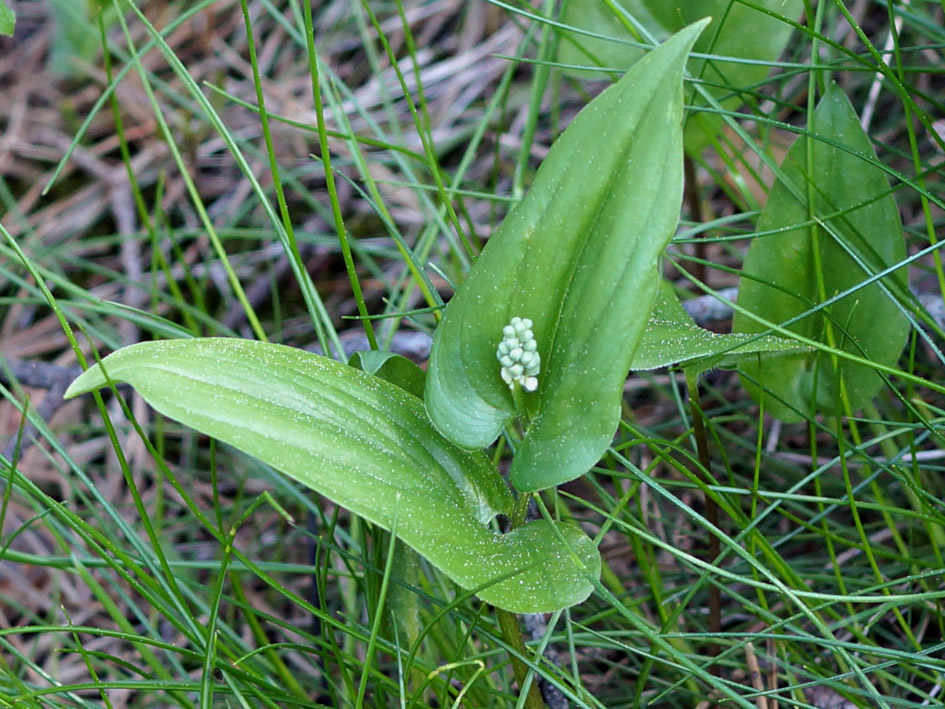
671 337
578 258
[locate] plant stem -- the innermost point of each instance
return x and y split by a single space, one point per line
519 401
508 623
520 511
512 634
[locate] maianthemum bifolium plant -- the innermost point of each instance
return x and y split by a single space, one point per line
538 340
535 345
576 260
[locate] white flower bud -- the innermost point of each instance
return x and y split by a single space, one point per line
518 355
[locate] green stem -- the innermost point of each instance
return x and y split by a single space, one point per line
508 623
512 635
518 398
521 510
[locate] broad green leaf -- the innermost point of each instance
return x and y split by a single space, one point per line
7 19
578 256
403 603
391 367
671 337
367 445
782 269
743 40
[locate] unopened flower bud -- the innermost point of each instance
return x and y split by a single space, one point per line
518 355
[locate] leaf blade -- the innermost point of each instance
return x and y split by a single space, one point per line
575 257
742 41
391 367
853 211
367 445
671 337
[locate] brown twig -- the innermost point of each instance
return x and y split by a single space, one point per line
754 675
53 378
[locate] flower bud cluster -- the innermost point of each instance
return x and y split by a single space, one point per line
518 355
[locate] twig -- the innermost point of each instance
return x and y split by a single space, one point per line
772 673
36 374
258 291
877 84
53 378
754 675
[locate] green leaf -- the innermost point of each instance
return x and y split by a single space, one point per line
7 19
780 278
671 337
391 367
578 256
368 446
743 39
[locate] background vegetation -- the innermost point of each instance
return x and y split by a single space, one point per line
145 195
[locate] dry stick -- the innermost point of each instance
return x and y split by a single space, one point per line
754 674
40 375
772 672
711 511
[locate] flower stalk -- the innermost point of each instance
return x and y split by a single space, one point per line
518 354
